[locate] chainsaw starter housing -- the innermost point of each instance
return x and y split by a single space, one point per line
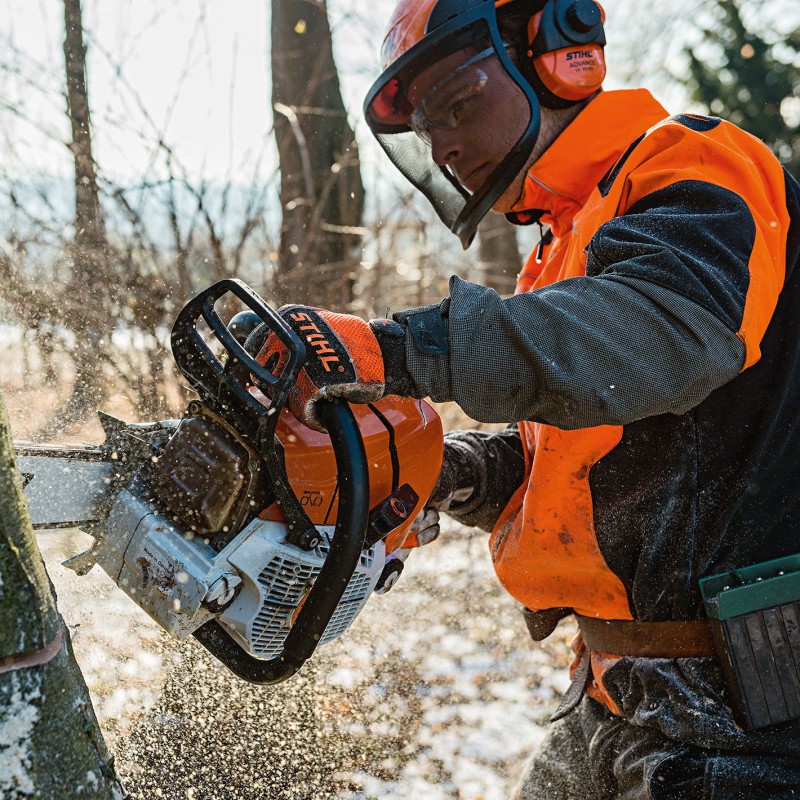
254 587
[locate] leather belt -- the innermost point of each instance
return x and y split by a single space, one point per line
674 639
621 637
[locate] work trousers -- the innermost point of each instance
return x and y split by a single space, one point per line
593 755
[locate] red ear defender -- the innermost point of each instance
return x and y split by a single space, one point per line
566 41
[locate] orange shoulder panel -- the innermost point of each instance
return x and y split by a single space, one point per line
728 157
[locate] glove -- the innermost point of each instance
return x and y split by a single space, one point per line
346 358
425 528
453 486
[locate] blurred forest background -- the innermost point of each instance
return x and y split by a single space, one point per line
151 148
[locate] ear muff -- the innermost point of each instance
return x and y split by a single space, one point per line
565 61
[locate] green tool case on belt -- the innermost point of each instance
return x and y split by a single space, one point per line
754 614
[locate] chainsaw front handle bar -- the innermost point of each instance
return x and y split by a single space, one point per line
214 380
340 563
216 383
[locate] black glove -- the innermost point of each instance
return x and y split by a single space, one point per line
425 528
481 470
455 485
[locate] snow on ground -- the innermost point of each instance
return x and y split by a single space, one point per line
435 693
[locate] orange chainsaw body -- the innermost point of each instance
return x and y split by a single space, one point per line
416 431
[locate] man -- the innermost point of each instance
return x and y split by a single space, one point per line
651 361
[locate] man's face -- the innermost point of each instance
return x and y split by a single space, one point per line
472 113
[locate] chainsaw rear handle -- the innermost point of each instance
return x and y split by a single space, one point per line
340 563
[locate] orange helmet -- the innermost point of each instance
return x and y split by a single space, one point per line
423 32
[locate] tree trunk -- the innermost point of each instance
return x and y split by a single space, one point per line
50 743
322 195
90 286
498 255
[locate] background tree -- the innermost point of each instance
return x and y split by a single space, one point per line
751 79
95 269
88 254
322 197
498 254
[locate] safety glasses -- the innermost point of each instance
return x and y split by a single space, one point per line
453 100
456 101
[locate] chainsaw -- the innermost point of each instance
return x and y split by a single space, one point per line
236 524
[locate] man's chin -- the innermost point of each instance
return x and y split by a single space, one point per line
509 200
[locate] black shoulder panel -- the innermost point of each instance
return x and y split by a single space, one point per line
793 239
692 237
608 179
695 122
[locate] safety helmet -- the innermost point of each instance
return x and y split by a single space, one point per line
424 32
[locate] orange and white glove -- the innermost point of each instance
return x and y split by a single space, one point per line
346 358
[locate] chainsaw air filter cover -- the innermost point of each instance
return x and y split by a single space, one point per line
404 446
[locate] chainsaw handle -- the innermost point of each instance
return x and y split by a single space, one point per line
215 381
219 385
332 581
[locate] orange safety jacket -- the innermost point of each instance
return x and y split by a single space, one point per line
653 356
547 545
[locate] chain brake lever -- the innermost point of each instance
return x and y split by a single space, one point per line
219 387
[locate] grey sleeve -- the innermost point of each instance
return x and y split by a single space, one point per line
650 329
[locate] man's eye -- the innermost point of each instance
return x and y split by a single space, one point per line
459 106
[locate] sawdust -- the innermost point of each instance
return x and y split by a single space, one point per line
435 693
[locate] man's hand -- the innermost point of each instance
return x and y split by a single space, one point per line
346 358
424 530
448 490
455 485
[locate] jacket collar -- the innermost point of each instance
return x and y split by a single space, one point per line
558 185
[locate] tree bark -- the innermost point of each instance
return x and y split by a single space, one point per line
322 195
50 743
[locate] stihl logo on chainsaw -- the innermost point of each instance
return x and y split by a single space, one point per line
317 339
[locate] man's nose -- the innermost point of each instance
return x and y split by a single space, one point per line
446 147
